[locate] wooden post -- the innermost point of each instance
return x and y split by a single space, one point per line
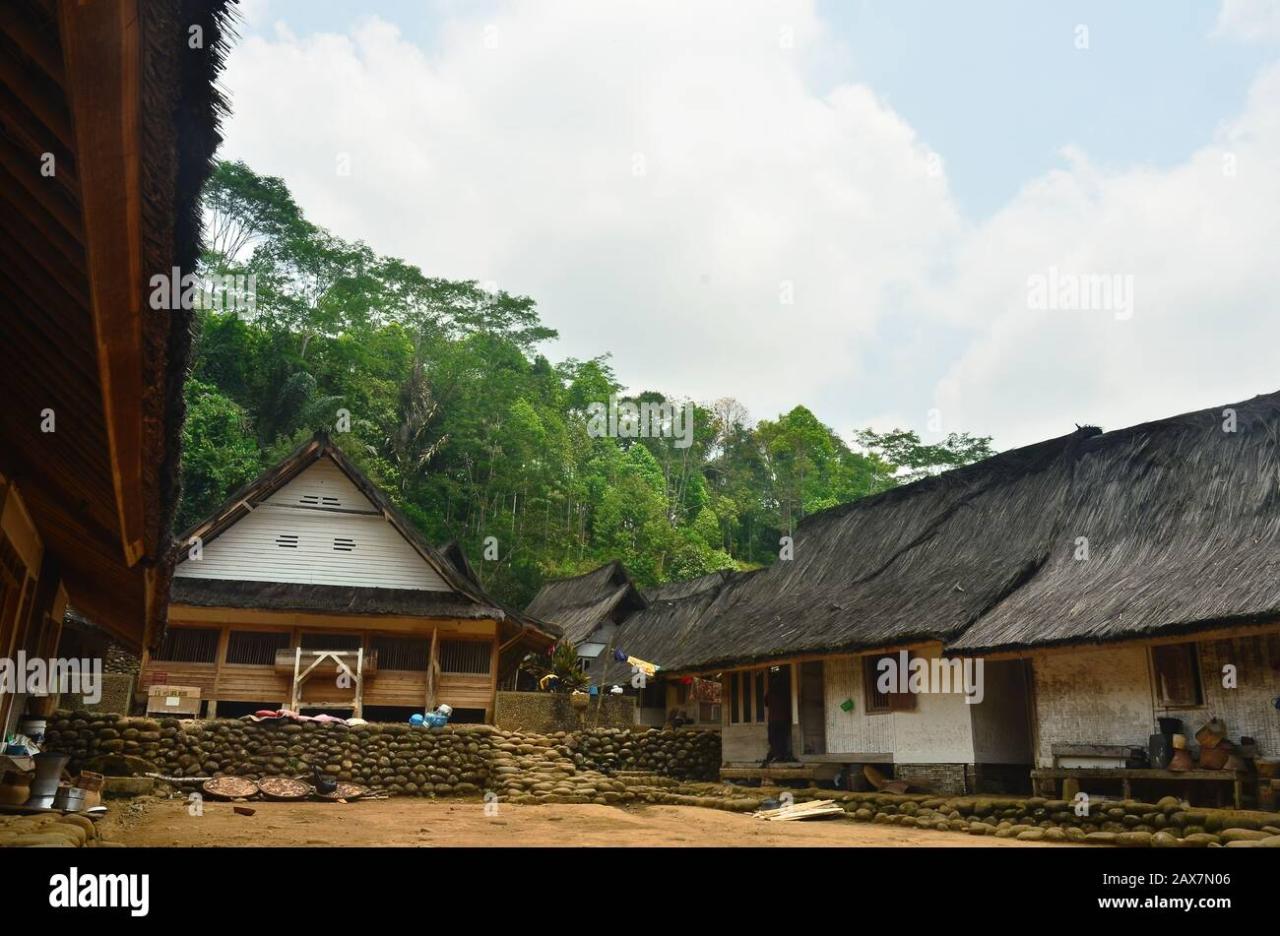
432 665
492 710
795 693
297 665
359 705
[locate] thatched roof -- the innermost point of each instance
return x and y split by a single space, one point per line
672 621
584 603
1181 520
129 111
465 599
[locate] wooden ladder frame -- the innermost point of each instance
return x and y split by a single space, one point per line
300 676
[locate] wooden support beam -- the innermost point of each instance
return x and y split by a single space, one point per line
433 665
101 45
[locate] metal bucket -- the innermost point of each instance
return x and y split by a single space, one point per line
48 773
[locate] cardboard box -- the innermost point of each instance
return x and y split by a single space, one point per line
173 700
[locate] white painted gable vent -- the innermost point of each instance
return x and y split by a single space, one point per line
319 500
343 544
287 540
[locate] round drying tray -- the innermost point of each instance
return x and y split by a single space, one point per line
230 788
345 791
284 788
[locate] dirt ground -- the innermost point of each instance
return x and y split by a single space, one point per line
405 821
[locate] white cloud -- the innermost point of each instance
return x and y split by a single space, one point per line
1198 240
509 153
518 164
1249 20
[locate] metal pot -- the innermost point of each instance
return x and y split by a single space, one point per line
71 798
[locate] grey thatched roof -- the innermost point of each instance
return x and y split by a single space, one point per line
1181 520
582 604
344 599
671 623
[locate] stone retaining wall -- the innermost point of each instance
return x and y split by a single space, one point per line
455 760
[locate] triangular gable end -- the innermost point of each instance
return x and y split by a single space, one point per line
316 528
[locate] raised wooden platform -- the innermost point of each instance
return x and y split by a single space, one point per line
1128 774
787 771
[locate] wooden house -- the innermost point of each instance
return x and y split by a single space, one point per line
603 613
1102 581
1173 613
654 634
308 589
108 123
589 608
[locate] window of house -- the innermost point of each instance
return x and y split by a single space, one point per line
709 712
255 648
465 656
188 645
877 702
746 697
1177 674
401 653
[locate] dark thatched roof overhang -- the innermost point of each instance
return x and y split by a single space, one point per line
325 599
581 605
128 111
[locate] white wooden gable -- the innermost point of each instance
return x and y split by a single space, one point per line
318 529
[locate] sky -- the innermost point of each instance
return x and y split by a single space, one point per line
994 217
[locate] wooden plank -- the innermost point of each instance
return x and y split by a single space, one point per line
1132 773
101 46
1092 750
35 44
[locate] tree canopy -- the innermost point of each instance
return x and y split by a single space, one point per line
439 390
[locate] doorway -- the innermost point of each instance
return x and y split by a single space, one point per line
813 712
778 710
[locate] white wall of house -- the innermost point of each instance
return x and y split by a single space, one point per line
744 744
1248 709
1092 696
1106 696
938 731
305 534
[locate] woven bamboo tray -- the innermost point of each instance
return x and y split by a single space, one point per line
345 791
284 788
230 788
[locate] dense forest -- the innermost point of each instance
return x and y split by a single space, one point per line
438 389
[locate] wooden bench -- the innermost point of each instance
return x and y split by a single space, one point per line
1128 774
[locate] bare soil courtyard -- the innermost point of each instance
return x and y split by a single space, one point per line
416 822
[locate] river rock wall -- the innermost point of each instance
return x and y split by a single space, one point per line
403 760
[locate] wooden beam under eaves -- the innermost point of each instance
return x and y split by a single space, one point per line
101 46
